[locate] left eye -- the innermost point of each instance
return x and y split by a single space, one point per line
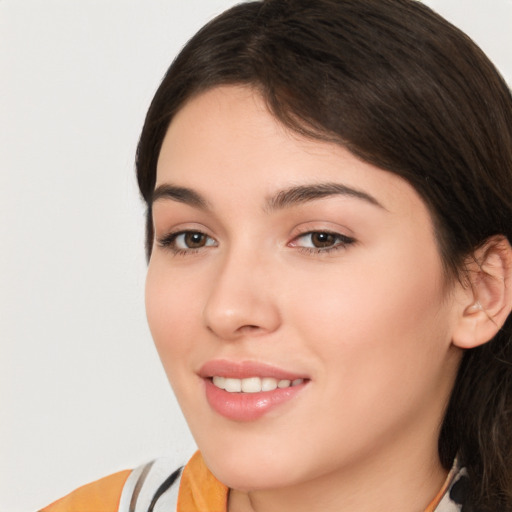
192 240
321 240
184 242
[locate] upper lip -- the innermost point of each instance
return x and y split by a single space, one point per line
246 369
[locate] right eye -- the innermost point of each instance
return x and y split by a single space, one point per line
184 242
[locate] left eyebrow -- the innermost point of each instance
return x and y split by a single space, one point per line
303 193
180 195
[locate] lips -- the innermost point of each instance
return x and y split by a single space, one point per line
246 391
246 369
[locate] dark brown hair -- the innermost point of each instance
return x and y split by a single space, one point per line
402 89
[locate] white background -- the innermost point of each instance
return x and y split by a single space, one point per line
82 393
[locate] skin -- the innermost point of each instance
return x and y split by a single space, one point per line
370 323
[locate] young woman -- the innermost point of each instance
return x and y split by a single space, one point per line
329 210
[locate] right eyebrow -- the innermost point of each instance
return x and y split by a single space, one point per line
305 193
179 194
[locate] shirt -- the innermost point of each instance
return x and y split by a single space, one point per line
159 487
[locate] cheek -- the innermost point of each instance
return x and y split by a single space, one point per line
380 319
170 313
380 337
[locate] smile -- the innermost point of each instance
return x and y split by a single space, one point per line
253 384
246 391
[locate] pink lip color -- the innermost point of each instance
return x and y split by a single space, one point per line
245 369
246 406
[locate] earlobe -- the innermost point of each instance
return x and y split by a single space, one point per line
488 298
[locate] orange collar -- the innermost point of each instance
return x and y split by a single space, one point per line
447 483
199 490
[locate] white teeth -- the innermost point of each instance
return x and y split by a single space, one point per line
219 381
253 384
233 385
268 384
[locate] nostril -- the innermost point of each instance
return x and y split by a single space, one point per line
248 328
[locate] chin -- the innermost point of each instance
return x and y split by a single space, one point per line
250 468
247 477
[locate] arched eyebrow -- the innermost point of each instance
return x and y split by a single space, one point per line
303 193
283 199
181 195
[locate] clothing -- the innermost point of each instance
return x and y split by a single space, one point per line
100 496
193 489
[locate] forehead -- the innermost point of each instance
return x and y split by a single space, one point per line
225 142
232 122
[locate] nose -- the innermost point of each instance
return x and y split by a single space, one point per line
242 300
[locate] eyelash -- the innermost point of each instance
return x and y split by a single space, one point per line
169 242
341 242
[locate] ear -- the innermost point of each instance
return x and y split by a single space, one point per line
487 300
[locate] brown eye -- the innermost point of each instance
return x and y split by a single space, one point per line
323 240
187 241
194 240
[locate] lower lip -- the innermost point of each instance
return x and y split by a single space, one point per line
248 406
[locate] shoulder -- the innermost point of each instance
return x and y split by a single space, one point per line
152 486
101 496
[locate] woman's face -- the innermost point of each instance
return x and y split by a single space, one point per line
280 259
